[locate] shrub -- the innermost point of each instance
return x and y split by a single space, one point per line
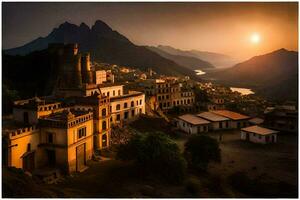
200 150
193 186
155 153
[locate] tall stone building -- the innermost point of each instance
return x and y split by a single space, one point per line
170 93
64 129
74 69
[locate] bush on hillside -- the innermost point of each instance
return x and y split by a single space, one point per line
199 150
156 154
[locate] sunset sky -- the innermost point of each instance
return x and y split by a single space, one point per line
241 30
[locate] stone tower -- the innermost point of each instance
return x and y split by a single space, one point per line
87 76
68 61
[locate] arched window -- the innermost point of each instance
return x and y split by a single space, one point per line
104 125
132 103
118 107
125 105
104 140
103 112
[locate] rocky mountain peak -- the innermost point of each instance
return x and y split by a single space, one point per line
101 26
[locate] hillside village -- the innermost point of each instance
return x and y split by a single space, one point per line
94 107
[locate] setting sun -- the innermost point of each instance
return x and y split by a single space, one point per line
255 38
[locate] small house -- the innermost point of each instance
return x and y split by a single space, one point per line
192 124
218 122
236 121
258 134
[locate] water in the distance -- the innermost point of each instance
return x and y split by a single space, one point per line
200 72
243 91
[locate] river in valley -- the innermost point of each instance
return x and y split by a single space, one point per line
243 91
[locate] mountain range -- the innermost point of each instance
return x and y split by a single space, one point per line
216 59
190 62
105 45
273 75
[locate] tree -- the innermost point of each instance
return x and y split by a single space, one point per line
156 154
200 95
200 150
8 97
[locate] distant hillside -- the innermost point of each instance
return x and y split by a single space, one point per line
192 63
274 75
216 59
105 45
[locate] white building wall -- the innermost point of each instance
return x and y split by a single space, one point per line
256 138
112 91
191 129
234 124
100 76
138 107
216 125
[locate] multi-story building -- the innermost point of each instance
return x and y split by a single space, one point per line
103 76
127 106
91 81
123 106
61 138
64 129
170 93
282 118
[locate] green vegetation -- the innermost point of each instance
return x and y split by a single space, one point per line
8 97
200 95
16 183
200 150
156 154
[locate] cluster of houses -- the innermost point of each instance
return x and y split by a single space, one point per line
169 92
64 130
217 120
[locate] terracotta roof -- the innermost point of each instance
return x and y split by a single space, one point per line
212 116
256 120
259 130
230 114
192 119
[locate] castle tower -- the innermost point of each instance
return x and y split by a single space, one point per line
69 78
87 75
